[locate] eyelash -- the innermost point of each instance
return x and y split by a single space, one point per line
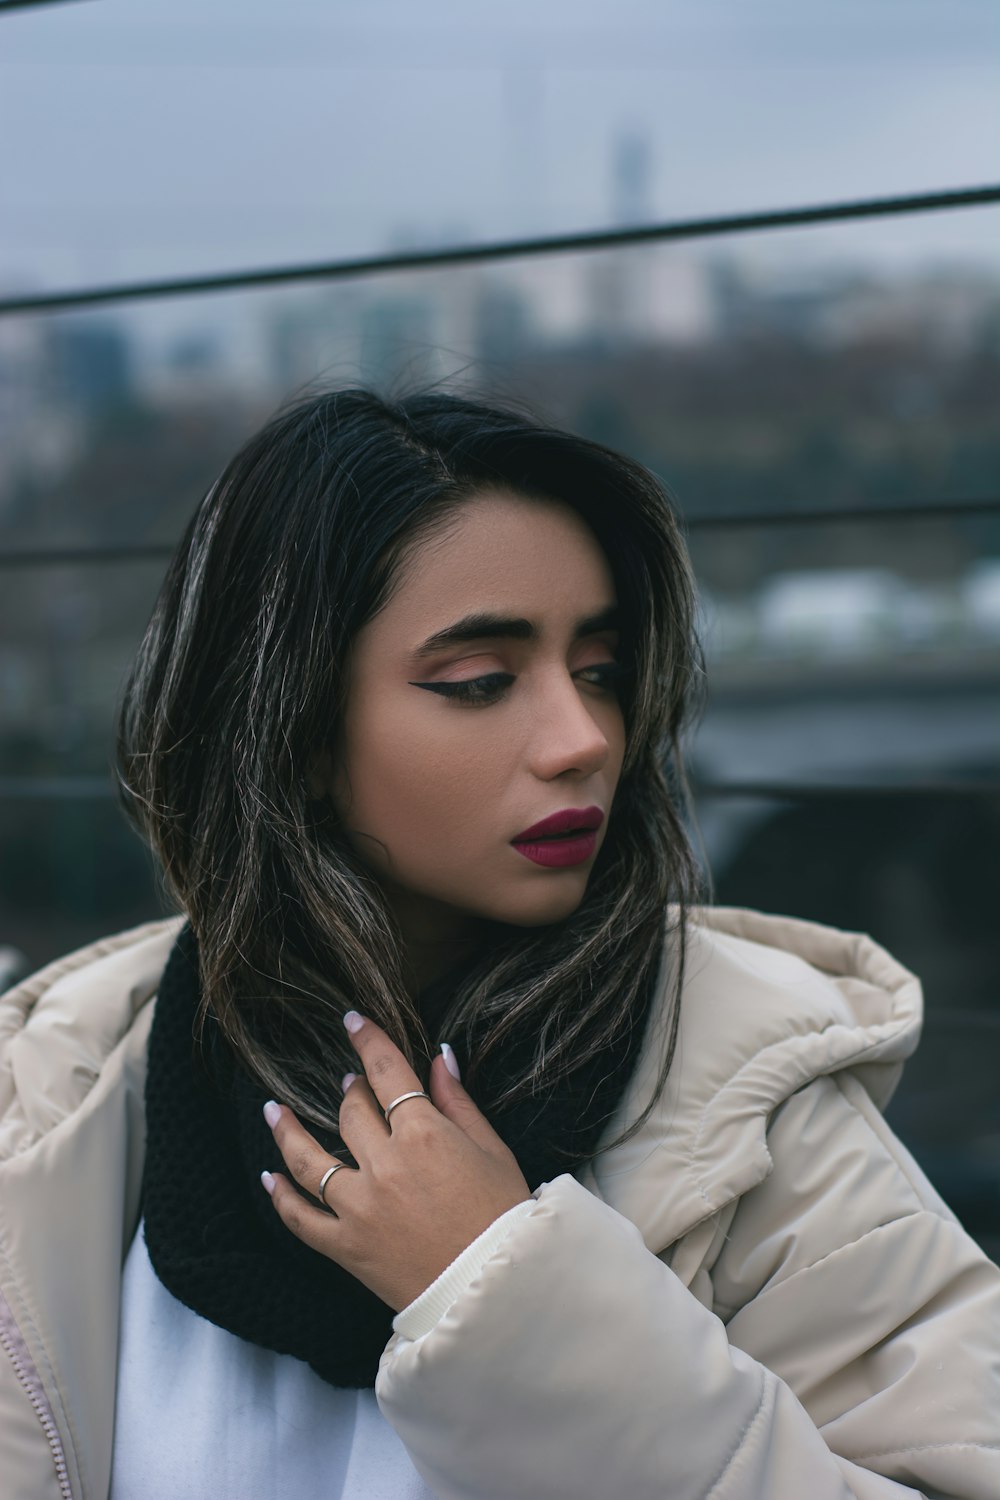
473 691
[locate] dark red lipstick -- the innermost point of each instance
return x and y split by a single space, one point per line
568 819
567 837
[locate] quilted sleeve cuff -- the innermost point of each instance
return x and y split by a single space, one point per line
420 1316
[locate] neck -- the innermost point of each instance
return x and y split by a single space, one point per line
435 937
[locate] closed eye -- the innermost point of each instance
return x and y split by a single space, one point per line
489 689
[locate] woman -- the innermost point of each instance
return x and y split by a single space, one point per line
460 1154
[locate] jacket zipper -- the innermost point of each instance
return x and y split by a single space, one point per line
24 1368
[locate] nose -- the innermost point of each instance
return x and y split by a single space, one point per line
568 734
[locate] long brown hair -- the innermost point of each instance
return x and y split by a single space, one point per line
240 679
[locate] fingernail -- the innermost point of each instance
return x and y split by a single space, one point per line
450 1061
268 1182
353 1021
272 1113
347 1080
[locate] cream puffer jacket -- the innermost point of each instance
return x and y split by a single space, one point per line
757 1297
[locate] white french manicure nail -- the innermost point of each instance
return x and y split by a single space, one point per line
272 1113
450 1061
267 1181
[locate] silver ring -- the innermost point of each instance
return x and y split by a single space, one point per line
326 1178
413 1094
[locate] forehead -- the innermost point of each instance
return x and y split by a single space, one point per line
504 551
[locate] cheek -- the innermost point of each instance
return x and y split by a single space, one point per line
416 775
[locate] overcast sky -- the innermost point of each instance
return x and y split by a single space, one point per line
153 137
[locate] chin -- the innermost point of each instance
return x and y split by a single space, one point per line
556 906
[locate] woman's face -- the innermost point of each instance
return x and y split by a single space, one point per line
433 784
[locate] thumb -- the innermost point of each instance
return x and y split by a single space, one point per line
455 1104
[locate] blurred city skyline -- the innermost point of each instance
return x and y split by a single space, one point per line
339 129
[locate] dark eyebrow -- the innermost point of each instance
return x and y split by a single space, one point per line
481 626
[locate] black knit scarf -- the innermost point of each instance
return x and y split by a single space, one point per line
214 1238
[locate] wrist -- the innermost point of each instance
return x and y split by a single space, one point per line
426 1309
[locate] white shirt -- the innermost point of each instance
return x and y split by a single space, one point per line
202 1413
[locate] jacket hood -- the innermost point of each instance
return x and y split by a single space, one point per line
59 1027
769 1004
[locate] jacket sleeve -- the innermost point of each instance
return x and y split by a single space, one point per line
854 1349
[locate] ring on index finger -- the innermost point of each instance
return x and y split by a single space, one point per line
320 1191
413 1094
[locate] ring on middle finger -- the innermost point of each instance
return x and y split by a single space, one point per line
413 1094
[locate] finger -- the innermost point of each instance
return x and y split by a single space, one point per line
302 1154
459 1106
313 1226
386 1069
361 1120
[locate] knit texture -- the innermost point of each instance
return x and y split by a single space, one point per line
214 1238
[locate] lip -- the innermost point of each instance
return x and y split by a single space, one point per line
558 853
586 819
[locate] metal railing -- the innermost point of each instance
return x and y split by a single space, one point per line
521 249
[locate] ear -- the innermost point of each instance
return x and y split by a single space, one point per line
320 775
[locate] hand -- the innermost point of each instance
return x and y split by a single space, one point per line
427 1183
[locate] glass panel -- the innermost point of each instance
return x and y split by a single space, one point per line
325 130
855 652
790 370
71 871
67 636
